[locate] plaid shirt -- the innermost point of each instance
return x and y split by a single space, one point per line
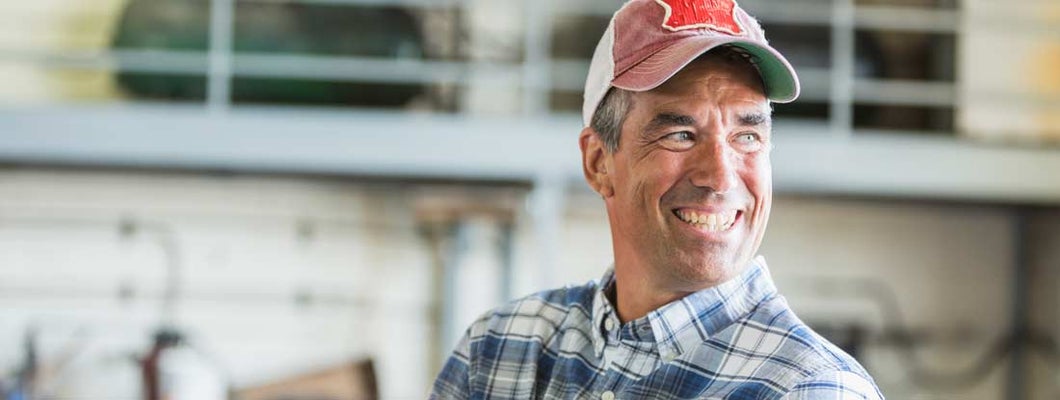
737 340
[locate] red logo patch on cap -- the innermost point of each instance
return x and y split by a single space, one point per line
719 15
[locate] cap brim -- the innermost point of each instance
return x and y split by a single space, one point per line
781 82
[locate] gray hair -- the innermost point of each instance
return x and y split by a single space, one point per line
610 115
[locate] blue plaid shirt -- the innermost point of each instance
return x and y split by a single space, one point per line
737 340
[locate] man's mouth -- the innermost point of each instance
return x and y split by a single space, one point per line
717 222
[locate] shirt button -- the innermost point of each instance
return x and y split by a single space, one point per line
608 395
609 324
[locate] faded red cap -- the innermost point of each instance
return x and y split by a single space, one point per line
649 41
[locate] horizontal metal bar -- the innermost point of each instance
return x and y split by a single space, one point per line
219 293
308 67
801 12
815 84
291 140
906 19
898 165
372 69
429 4
568 74
425 146
793 12
585 8
153 61
894 18
813 13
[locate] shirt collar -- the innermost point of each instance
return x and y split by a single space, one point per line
602 310
683 324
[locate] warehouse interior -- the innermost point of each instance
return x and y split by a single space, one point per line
312 199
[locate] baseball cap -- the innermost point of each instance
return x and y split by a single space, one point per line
649 41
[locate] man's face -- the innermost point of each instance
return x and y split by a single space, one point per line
691 181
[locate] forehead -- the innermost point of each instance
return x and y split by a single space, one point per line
724 82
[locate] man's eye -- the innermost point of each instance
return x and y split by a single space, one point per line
678 141
748 142
679 136
747 138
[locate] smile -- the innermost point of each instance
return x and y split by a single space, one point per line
718 222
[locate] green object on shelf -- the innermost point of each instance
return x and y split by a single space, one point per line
272 28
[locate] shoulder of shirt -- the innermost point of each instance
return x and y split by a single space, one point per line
539 313
817 358
835 384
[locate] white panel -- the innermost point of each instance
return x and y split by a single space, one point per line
246 257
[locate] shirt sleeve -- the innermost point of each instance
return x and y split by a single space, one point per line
835 385
454 380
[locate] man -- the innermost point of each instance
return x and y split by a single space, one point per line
677 142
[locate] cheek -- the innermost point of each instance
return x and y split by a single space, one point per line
652 177
759 181
758 176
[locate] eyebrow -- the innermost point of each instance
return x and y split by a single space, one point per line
754 119
668 119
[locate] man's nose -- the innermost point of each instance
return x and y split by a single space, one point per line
713 167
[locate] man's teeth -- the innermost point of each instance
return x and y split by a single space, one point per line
712 222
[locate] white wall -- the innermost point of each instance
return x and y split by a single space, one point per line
243 261
246 254
948 268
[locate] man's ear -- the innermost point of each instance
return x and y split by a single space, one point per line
595 159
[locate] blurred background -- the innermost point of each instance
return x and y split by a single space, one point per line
311 199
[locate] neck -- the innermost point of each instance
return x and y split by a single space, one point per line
636 296
639 290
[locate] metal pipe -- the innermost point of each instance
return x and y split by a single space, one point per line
222 22
448 242
843 55
506 246
536 67
166 239
1020 307
545 206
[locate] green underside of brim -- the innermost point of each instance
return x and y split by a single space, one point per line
780 83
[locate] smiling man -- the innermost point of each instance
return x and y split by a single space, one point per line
677 143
